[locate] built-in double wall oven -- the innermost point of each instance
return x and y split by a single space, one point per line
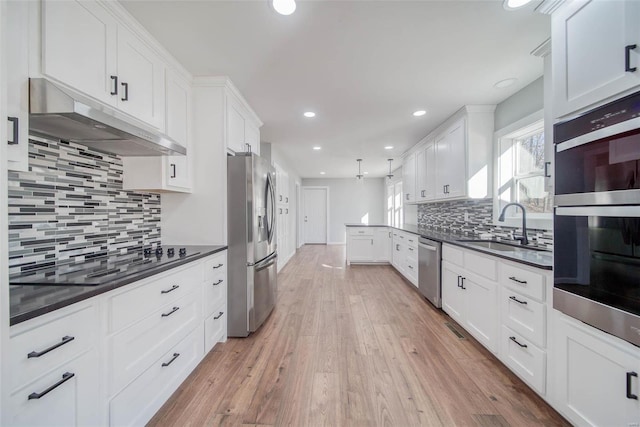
597 218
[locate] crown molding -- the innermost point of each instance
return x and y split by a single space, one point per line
543 49
547 7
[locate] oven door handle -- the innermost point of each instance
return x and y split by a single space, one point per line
618 128
609 211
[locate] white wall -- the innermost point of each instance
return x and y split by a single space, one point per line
350 202
526 101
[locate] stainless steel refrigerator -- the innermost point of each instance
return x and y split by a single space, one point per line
251 233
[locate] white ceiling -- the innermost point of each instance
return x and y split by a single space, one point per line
362 66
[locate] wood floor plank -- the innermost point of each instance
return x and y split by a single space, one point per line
352 346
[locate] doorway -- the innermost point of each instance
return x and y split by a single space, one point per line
315 215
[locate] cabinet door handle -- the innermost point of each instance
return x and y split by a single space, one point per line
516 341
407 196
522 282
65 340
175 356
65 377
219 315
287 200
630 395
15 123
173 170
627 58
517 300
422 193
411 249
389 234
546 169
171 312
126 91
462 283
397 247
171 289
281 197
217 266
286 211
218 282
459 281
280 211
114 79
410 266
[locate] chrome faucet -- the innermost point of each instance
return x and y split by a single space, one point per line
524 239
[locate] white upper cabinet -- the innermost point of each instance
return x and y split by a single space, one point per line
450 174
87 49
426 173
242 133
409 178
79 47
178 172
15 27
141 84
596 52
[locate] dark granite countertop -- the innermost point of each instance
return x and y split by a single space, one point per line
534 258
29 301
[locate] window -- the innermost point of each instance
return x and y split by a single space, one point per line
394 203
520 175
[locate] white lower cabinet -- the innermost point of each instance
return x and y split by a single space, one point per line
524 358
596 378
404 254
468 297
140 400
368 244
114 359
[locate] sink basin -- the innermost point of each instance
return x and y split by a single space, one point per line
501 246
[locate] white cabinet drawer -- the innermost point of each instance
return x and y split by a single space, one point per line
412 251
72 399
135 348
215 293
39 345
481 265
524 358
453 255
361 231
215 327
137 403
524 315
131 305
524 281
215 265
412 241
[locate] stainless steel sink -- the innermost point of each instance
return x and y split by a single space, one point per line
501 246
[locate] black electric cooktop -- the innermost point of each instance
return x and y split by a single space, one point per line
102 270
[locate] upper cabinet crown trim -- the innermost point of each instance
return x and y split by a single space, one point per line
225 82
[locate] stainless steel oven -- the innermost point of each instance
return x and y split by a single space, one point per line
597 218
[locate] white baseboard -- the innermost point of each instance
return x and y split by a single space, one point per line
336 243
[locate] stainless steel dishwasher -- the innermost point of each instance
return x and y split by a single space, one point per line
429 264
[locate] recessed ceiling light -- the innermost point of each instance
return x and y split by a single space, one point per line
389 147
322 173
366 173
515 4
284 7
419 113
505 83
317 147
309 114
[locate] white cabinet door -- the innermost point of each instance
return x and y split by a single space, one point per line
15 26
592 55
252 137
79 47
235 127
430 173
409 178
450 155
398 254
452 294
382 245
361 249
481 311
141 84
178 118
594 375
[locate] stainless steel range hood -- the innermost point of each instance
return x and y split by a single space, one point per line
66 115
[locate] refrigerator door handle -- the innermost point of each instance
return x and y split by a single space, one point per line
267 262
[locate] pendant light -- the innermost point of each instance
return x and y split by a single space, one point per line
390 175
359 176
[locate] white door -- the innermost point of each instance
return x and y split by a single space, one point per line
315 215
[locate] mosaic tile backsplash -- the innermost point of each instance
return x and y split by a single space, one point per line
70 206
449 216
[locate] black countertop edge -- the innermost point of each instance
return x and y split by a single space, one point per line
454 239
44 296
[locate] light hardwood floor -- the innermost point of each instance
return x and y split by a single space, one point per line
352 346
